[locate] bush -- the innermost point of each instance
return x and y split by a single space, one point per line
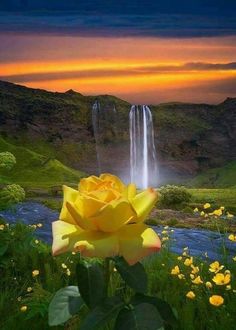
7 160
11 194
174 197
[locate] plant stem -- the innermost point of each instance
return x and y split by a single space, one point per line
107 275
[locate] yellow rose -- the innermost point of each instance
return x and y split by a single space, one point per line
104 218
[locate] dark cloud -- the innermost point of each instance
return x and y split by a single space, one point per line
152 25
101 73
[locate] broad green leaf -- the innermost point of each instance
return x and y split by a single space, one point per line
64 305
135 275
139 317
3 249
162 306
91 282
103 313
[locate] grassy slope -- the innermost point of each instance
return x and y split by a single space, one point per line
217 177
33 169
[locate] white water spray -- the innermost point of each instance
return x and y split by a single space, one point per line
143 160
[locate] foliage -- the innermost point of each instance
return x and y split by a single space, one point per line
7 160
174 196
21 254
11 194
220 177
33 169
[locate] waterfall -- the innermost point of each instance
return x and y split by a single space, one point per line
104 121
143 159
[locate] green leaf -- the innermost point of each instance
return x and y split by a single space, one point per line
162 306
103 313
64 305
139 317
135 275
91 282
3 249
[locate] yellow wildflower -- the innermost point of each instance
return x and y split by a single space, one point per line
222 208
35 272
206 206
234 258
164 232
73 253
221 279
63 266
175 270
39 225
68 272
36 241
29 289
229 215
165 239
216 300
228 287
23 308
232 237
195 210
195 270
208 285
19 298
192 276
166 227
181 276
197 280
190 295
184 254
202 213
180 257
2 227
217 212
188 261
215 267
185 248
172 231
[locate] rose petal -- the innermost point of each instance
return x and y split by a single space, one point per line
64 236
114 215
70 195
87 205
130 191
137 241
144 202
89 184
84 223
117 183
97 244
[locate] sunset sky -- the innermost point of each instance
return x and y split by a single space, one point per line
143 51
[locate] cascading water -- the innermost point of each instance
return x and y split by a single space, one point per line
143 159
105 133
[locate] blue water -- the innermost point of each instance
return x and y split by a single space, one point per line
198 241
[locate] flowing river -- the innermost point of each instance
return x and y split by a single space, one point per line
198 241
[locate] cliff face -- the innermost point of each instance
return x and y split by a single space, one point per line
190 138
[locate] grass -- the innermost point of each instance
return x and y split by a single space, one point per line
221 177
24 254
217 197
34 170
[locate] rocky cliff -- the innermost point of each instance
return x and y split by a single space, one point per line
189 138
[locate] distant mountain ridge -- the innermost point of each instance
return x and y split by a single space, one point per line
190 138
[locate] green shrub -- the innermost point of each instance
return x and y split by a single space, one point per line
11 194
174 197
7 160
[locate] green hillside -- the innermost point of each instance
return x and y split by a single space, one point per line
220 177
33 169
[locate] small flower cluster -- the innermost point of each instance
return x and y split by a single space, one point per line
214 283
217 213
